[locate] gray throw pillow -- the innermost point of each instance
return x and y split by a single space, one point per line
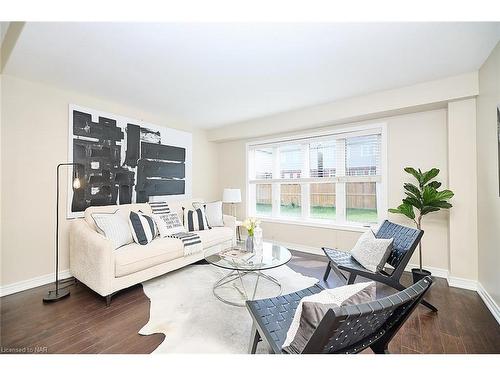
312 309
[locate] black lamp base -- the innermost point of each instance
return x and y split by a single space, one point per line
54 296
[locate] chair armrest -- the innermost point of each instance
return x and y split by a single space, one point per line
91 257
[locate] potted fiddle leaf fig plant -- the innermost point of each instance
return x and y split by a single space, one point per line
422 199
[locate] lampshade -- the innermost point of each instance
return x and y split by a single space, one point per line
231 196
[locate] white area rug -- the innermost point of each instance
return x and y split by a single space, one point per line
193 320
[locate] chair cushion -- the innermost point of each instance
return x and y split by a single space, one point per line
312 309
372 252
134 257
215 236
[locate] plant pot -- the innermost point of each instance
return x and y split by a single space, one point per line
419 274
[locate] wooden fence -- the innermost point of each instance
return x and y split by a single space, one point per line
359 194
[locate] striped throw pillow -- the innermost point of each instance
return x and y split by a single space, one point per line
159 208
143 227
195 220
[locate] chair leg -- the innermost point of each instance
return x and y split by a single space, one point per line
352 278
380 348
429 305
254 340
327 271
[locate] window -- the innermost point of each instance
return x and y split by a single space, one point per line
334 178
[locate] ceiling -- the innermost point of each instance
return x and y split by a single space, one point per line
209 75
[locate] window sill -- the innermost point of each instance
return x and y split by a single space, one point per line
317 224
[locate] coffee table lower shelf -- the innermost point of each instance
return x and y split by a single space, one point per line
239 274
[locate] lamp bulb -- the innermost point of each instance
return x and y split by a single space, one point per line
76 183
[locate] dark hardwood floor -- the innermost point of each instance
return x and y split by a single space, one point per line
83 324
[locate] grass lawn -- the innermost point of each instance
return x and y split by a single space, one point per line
359 215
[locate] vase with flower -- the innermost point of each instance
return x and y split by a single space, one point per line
250 224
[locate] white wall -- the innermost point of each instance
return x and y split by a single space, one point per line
417 139
488 164
409 99
462 172
34 140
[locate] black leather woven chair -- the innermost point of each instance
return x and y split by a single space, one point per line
404 244
344 330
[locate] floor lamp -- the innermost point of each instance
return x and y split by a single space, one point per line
231 196
56 295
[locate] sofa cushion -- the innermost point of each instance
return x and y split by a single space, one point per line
215 236
124 210
134 257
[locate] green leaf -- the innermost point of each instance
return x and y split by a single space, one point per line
417 203
429 175
429 194
444 195
414 173
442 204
406 209
427 209
435 184
412 189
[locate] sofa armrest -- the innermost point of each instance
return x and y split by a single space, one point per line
91 257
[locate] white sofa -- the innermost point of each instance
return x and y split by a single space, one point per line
94 262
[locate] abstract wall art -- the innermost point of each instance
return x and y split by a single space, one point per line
126 160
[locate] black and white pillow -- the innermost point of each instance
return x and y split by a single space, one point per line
143 227
213 211
159 208
195 219
168 224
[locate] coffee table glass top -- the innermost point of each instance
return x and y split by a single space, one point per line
271 256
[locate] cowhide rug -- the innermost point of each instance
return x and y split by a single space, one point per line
184 308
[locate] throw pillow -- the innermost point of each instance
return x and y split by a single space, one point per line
159 208
372 252
195 219
213 211
168 224
312 309
114 227
143 227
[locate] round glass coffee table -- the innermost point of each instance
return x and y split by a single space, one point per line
245 266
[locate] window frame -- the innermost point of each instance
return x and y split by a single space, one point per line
339 222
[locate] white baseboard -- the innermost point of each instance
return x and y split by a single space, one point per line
5 290
458 282
489 302
435 271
